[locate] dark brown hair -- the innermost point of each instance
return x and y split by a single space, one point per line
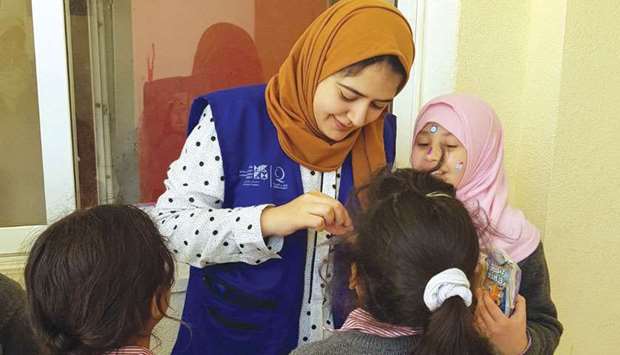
403 237
390 60
91 278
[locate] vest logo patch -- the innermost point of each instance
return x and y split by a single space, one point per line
262 174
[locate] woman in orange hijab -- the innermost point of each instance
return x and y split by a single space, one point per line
261 181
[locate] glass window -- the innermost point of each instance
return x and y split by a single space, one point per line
21 172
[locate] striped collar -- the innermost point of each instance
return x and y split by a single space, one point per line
130 350
364 322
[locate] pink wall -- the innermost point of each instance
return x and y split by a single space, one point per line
242 43
278 24
175 27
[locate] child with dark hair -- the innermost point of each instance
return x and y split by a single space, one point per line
98 281
411 262
16 337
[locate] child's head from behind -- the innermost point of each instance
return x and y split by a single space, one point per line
98 279
412 230
461 137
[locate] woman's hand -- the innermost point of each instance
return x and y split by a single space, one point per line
311 210
507 334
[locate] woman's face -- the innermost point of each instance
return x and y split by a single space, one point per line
427 150
344 103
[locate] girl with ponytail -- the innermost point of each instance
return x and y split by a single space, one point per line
410 267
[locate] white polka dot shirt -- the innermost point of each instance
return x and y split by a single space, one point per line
200 232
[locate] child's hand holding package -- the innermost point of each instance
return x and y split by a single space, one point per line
501 277
501 313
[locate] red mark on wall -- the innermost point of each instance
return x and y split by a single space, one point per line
150 64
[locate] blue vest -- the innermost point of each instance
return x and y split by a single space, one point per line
237 308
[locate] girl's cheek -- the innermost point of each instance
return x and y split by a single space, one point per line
414 162
451 165
418 159
458 170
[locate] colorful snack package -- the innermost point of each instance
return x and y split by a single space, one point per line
501 278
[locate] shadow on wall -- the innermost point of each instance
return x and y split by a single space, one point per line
226 57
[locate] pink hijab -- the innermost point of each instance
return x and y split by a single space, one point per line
484 185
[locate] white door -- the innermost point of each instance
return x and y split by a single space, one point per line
435 26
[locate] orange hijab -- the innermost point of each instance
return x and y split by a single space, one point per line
346 33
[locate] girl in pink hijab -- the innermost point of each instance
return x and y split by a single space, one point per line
463 135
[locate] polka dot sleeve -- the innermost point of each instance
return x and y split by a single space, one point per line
190 214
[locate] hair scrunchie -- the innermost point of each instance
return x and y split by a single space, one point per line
446 284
